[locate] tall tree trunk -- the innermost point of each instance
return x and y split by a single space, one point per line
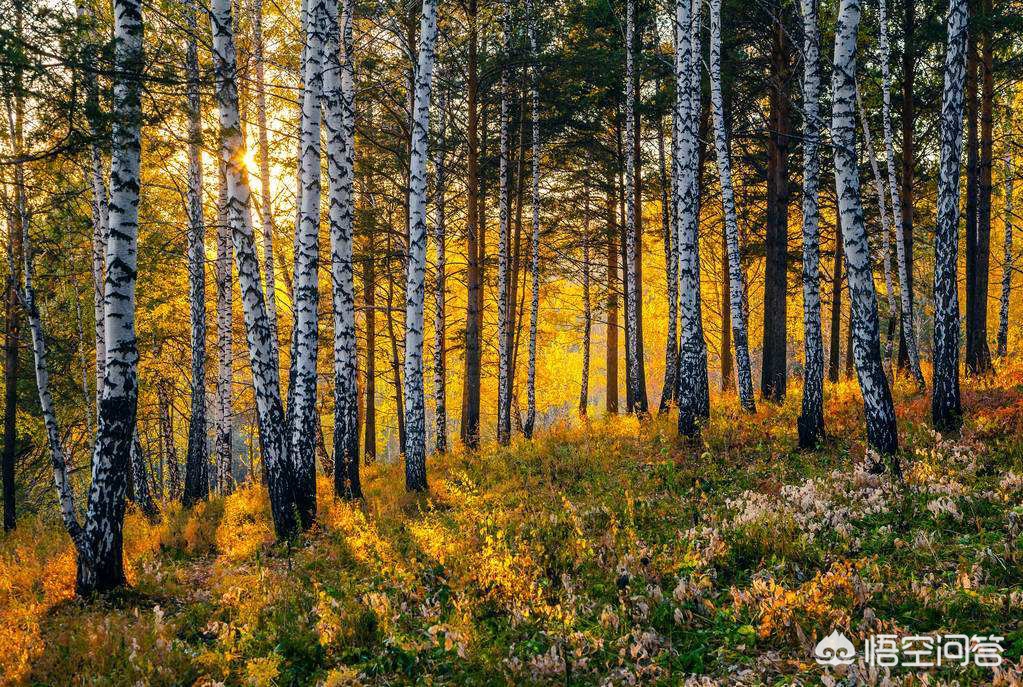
277 466
534 269
197 482
1007 259
503 291
727 361
165 391
634 379
265 202
223 428
369 290
882 434
395 360
101 568
692 371
736 279
440 286
339 108
584 388
835 347
983 243
774 367
611 328
470 429
973 356
670 265
415 407
886 259
11 338
907 334
908 166
811 418
946 410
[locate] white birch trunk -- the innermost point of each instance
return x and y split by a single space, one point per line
265 375
266 202
877 400
224 420
534 265
339 121
440 288
305 280
584 390
736 279
503 326
811 419
946 408
886 249
631 306
415 410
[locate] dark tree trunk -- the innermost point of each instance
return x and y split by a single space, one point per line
835 348
470 427
773 369
727 376
395 358
369 286
11 333
982 244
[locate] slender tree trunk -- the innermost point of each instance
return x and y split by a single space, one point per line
369 290
415 407
983 243
811 418
1007 259
440 286
727 362
584 388
11 339
736 279
973 359
223 427
774 366
534 97
692 351
395 360
868 145
470 429
503 291
611 348
196 460
165 391
908 166
835 348
339 108
670 265
277 465
907 333
882 434
636 395
265 201
946 410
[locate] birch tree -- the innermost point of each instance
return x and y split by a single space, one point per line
415 410
946 410
736 279
692 350
339 120
265 201
503 325
440 286
534 265
1007 257
584 388
305 284
99 542
670 270
631 292
877 399
264 364
905 292
224 419
811 418
196 460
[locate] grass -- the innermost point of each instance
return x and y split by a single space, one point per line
606 553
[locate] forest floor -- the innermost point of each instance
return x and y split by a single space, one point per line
607 553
